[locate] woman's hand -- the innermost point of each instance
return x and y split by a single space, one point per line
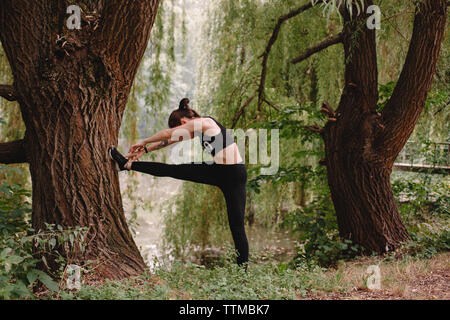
137 147
134 156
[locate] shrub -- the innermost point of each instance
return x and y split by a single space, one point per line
14 206
317 228
19 262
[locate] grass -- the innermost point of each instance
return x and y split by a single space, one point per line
408 278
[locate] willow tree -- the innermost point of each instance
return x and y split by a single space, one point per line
362 141
72 86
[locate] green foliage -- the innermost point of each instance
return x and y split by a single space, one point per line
330 7
12 126
423 201
23 254
314 223
14 205
132 195
195 220
237 35
421 197
149 103
426 244
234 38
229 281
317 230
384 93
299 164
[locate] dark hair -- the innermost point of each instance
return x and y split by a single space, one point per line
183 111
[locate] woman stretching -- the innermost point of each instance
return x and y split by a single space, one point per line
226 172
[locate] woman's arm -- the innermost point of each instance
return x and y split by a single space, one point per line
152 147
173 134
159 145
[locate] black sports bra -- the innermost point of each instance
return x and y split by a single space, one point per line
214 144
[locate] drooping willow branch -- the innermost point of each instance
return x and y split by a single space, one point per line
241 111
270 44
260 92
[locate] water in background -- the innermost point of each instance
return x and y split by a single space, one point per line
154 192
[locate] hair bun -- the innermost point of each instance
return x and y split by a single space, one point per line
184 104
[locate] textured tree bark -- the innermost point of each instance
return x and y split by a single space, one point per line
13 152
361 144
74 85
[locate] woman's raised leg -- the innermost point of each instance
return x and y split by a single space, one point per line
200 173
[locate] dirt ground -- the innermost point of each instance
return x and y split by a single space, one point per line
422 280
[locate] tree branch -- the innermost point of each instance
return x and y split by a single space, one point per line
7 92
314 128
13 152
241 111
271 104
271 42
319 47
361 70
403 109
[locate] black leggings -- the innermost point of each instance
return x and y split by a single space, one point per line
231 179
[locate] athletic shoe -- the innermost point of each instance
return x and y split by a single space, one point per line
118 158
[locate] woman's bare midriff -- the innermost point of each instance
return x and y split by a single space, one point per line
229 155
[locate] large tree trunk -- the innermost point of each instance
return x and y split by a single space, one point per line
72 86
361 144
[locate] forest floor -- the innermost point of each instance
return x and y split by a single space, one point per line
406 278
400 280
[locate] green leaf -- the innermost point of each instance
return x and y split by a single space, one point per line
14 259
32 276
47 280
20 289
45 261
5 252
